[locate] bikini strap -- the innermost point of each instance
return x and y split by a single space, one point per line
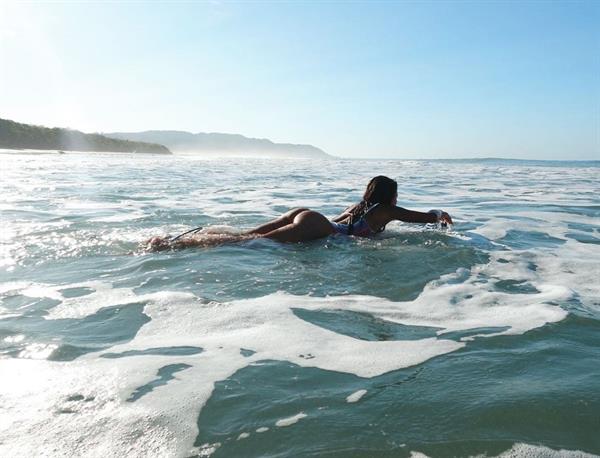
368 210
372 207
365 213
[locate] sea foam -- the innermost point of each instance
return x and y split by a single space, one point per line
267 326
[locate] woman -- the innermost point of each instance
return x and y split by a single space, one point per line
368 217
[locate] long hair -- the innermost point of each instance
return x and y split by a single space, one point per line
380 190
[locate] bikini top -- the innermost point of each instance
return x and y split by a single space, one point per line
360 227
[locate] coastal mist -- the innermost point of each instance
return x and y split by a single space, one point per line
479 339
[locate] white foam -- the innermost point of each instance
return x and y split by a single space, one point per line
493 230
166 417
118 218
37 351
356 396
290 420
104 295
414 454
13 286
204 449
75 204
41 291
15 339
574 265
269 326
29 289
521 450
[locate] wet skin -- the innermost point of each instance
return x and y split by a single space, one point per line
301 225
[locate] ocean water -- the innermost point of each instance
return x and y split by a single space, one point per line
479 340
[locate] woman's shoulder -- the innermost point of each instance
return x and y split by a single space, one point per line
383 212
381 207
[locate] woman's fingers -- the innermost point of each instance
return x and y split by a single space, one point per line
446 218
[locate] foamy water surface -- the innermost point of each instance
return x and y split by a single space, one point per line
479 340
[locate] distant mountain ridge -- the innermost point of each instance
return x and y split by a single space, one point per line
15 135
180 141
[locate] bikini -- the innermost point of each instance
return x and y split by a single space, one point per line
359 228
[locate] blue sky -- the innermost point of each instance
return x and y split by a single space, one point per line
377 79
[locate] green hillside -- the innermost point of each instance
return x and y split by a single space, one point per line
14 135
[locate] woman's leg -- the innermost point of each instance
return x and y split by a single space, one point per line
283 220
306 225
297 225
201 240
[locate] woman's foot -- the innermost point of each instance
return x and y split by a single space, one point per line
158 244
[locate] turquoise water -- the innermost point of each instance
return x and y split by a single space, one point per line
483 339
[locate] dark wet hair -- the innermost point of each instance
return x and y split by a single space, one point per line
380 190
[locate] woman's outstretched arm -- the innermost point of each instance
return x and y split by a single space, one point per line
411 216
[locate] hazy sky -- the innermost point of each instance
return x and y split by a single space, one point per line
387 79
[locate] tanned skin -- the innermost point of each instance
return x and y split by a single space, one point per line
302 224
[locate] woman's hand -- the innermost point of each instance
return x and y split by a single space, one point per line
441 217
445 218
